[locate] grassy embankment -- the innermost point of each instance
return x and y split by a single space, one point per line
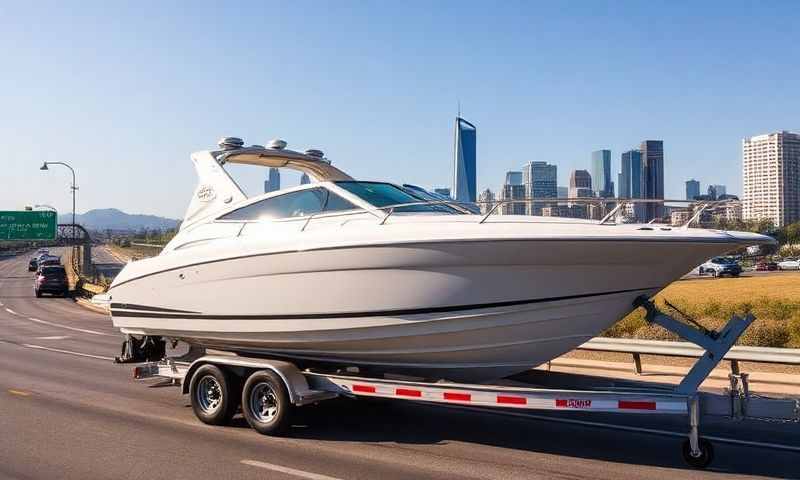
773 298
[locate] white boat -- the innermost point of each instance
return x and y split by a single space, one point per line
349 273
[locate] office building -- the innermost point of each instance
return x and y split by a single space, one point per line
601 174
513 192
486 201
771 177
692 189
632 183
464 171
580 184
444 191
653 164
304 179
273 181
513 178
716 191
540 181
562 192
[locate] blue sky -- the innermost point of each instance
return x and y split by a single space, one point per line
124 92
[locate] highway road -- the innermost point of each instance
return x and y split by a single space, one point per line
66 411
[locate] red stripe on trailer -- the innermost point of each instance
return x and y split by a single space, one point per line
459 397
629 405
363 388
512 400
407 392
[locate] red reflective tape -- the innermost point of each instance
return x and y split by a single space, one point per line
512 400
407 392
628 405
363 388
459 397
573 403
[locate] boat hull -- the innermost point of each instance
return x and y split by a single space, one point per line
466 311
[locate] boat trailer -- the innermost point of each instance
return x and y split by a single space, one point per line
270 389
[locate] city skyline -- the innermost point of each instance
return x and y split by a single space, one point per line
395 123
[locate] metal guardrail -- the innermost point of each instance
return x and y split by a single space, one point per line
637 348
149 245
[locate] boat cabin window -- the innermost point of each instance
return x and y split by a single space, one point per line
294 204
381 194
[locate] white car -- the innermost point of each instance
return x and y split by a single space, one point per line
789 264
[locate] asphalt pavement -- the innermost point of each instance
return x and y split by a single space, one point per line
67 411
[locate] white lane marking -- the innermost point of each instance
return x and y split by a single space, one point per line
611 426
69 352
93 332
56 337
12 312
287 470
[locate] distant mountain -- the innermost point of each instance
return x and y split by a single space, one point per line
111 218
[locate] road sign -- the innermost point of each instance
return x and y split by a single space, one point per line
28 225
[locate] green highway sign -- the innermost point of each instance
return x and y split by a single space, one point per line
28 225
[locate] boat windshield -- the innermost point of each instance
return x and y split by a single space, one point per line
381 195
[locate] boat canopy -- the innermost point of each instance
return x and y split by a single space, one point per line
316 166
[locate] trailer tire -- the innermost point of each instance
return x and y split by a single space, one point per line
265 403
214 395
706 454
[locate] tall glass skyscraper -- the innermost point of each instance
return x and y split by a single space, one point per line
464 171
513 178
653 163
601 174
632 182
273 181
692 189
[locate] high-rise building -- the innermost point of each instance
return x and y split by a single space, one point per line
716 191
653 162
486 201
513 178
632 183
692 189
464 171
580 184
601 174
562 192
304 179
513 192
273 181
540 180
442 191
771 177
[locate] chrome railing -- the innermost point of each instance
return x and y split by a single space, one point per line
610 210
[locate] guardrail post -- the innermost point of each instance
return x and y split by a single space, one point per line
637 364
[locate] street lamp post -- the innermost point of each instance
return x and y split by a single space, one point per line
73 188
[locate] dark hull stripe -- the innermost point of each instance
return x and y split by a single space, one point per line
131 306
383 313
733 244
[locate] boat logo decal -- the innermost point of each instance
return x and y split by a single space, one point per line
206 193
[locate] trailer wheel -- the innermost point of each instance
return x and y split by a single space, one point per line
703 459
213 395
265 403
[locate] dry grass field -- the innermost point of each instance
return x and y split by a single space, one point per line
774 298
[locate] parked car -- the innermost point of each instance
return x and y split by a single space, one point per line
766 266
51 279
789 264
33 264
719 266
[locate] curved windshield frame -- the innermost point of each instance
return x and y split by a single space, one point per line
382 194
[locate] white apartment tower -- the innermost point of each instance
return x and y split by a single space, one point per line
771 177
